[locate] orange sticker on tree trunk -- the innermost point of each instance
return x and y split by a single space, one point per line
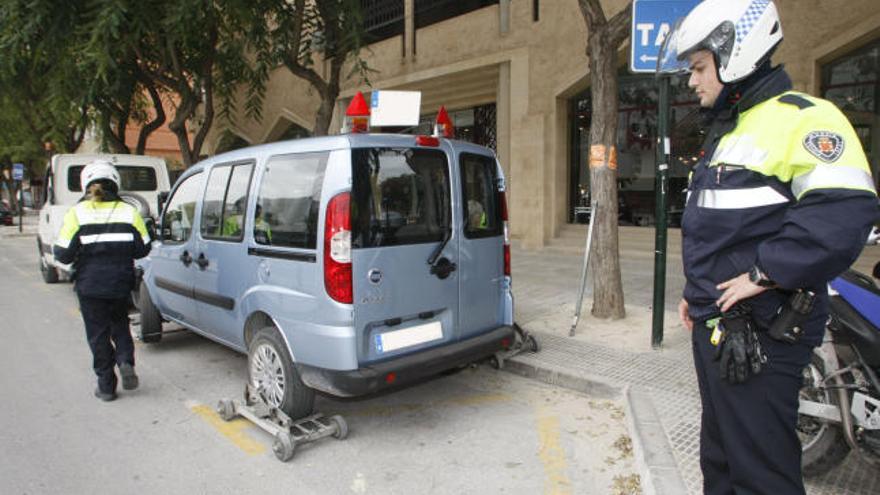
597 157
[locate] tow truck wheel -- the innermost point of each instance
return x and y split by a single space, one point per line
532 343
284 446
151 320
226 409
341 427
273 377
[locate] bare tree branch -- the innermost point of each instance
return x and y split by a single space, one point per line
619 26
157 122
593 13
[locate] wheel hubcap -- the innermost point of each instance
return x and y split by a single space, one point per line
267 375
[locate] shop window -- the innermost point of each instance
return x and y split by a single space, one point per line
636 135
852 82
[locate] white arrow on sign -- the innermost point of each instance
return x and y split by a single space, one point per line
644 58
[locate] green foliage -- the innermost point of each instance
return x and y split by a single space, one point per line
297 34
42 97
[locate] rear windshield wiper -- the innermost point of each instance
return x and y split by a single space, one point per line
447 235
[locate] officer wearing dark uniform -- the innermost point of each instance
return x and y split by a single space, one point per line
102 236
780 203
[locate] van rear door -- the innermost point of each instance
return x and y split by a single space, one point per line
481 248
401 216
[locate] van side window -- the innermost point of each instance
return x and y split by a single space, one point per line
289 200
399 196
177 221
226 195
482 216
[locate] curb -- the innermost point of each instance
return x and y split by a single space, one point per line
653 452
653 455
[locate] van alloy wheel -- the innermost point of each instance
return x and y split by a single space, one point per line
267 375
274 377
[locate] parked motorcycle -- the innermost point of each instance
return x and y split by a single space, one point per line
840 399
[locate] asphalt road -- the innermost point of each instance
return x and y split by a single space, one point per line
476 431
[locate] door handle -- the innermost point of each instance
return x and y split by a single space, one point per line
202 261
442 268
185 258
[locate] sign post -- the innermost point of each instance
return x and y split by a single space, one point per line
17 177
652 22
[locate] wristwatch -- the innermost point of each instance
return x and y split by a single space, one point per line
757 277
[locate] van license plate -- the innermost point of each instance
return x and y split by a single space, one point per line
407 337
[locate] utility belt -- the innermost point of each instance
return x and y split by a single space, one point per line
735 335
787 325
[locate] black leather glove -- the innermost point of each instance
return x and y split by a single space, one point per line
739 351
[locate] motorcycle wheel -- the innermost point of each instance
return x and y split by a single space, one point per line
822 442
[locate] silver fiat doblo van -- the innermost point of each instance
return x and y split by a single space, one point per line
343 264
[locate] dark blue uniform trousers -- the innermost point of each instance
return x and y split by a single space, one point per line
109 337
748 442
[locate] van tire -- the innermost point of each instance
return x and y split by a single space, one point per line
151 320
267 358
50 273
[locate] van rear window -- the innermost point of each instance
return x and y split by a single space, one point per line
482 213
133 178
399 196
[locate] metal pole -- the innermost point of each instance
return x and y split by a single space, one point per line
20 204
580 299
662 184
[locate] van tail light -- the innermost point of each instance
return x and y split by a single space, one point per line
502 201
337 249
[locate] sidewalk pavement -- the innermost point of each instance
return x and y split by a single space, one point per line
616 358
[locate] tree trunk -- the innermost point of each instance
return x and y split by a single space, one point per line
154 124
604 38
328 98
605 265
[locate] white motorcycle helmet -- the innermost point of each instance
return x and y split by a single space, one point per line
98 170
740 33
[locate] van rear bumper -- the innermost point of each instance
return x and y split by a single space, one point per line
369 379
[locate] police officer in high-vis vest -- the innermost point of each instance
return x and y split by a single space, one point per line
102 236
780 203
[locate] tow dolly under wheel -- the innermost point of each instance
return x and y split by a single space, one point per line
523 342
288 433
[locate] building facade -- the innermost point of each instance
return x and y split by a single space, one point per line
514 75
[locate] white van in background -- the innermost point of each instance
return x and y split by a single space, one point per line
144 180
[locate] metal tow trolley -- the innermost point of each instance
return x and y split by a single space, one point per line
523 342
288 432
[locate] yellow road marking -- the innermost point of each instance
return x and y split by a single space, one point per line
552 455
233 430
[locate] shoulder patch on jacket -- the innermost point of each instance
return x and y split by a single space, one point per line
798 101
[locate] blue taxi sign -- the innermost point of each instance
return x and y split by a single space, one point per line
652 21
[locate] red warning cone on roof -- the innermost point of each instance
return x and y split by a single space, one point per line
357 116
443 125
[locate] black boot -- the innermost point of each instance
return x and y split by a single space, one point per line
129 378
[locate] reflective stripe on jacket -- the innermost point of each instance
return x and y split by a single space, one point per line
786 187
102 240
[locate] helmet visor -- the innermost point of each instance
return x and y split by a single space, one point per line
670 61
673 56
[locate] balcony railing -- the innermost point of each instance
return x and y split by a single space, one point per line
432 11
383 19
